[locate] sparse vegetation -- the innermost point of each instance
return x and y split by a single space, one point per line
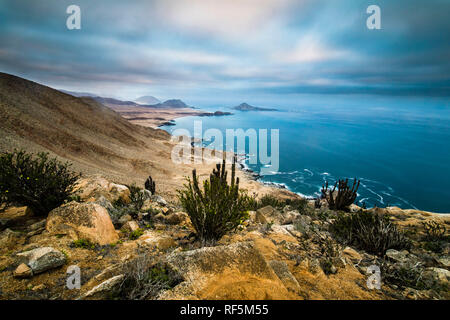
136 234
121 208
435 236
83 244
137 197
218 207
145 280
372 232
403 275
270 200
345 195
40 182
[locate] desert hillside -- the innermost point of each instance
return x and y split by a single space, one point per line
92 136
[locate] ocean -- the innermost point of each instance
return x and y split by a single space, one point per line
399 147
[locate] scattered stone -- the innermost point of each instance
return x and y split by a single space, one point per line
398 256
105 286
176 218
159 200
130 226
88 221
38 287
23 271
42 259
124 219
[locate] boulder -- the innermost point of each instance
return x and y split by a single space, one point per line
436 275
42 259
236 271
93 188
268 214
289 217
124 219
176 218
88 221
105 286
23 271
156 239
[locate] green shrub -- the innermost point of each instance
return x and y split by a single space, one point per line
369 231
270 200
296 204
137 197
38 181
218 207
136 234
83 244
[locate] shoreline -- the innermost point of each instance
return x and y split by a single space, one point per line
277 187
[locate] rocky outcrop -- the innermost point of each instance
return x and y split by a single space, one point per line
236 271
93 188
269 214
88 221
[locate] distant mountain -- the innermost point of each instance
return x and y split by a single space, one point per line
173 103
246 107
115 101
147 100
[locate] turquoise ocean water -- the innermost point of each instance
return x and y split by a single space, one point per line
398 146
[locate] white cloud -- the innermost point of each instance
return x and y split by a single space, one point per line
311 49
225 18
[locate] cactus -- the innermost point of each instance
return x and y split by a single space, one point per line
150 185
218 207
345 195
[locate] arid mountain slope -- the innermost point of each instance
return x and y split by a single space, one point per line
95 138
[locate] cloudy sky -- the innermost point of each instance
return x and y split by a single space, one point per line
214 51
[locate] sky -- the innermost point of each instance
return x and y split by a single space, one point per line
217 51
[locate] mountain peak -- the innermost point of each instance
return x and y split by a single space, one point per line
147 100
